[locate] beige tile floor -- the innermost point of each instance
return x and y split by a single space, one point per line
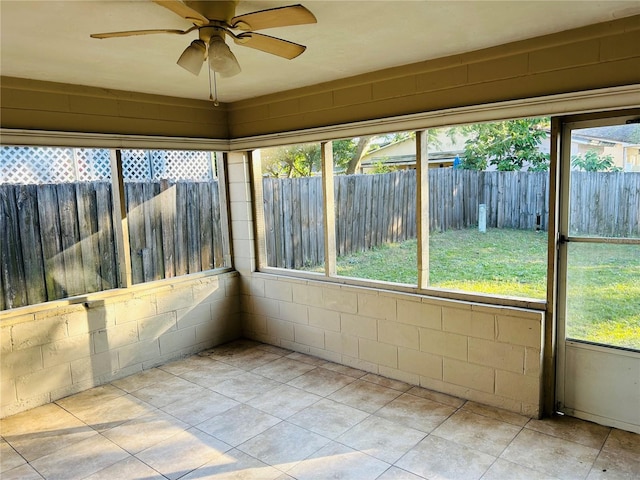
252 411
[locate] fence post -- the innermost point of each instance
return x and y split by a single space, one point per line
120 221
329 209
482 218
422 207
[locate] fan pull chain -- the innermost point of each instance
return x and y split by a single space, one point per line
213 98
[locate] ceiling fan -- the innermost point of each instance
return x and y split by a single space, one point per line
214 20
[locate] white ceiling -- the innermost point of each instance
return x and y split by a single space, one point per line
49 40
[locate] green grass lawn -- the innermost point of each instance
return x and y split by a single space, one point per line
604 280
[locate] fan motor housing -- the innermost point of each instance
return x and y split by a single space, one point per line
219 10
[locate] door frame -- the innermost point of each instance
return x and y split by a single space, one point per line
564 127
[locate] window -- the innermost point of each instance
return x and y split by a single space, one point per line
293 206
488 207
58 224
486 187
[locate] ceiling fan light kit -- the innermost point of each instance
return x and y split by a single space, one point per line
193 57
221 58
214 20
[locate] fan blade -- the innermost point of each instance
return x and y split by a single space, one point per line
184 11
273 17
131 33
273 45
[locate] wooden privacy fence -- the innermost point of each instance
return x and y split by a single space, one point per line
57 240
375 209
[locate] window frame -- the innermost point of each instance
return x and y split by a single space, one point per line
115 145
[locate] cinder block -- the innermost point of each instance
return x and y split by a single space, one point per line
8 395
395 374
445 344
359 326
94 366
378 353
469 375
257 287
246 265
217 332
307 295
265 306
419 314
532 362
377 306
174 299
242 229
352 95
152 327
455 316
280 329
116 336
239 191
305 335
293 312
278 290
317 101
255 323
395 87
137 353
208 291
519 387
519 331
325 355
564 56
477 324
439 79
420 363
296 347
326 319
38 332
194 315
137 308
284 108
341 343
5 340
66 350
43 381
340 300
398 334
177 340
496 355
616 47
498 68
359 364
241 211
21 362
96 317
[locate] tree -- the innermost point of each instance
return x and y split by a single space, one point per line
292 161
591 161
509 145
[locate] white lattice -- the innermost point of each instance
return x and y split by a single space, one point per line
181 165
135 165
28 165
94 164
36 165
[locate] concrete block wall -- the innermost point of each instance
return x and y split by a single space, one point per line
56 349
483 353
587 58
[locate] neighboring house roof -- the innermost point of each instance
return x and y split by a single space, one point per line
619 133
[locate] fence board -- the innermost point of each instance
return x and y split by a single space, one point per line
10 253
375 209
27 205
106 244
88 227
167 219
